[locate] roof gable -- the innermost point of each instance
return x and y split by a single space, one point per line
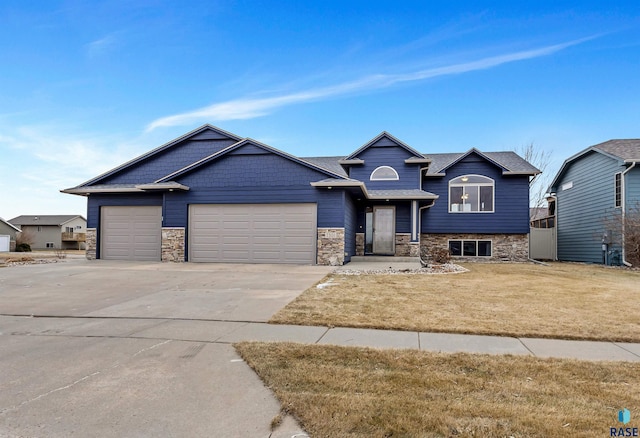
204 132
247 146
509 162
7 223
623 151
384 139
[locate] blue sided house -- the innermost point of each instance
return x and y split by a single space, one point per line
212 196
595 192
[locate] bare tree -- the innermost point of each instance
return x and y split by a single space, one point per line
25 236
631 227
626 227
539 183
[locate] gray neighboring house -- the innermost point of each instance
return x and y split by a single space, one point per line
591 189
8 234
54 231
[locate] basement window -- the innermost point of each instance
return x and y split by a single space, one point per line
470 248
50 245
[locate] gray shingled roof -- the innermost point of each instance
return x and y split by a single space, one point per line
511 161
401 193
56 220
329 163
628 149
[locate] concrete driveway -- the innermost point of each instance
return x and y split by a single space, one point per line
127 349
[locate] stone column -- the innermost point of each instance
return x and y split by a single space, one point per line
91 243
330 250
173 244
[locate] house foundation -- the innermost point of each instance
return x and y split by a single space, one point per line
504 247
405 247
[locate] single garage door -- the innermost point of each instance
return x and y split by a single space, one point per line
131 233
253 233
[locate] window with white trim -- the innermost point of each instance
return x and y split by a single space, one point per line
471 194
384 173
618 189
50 245
470 248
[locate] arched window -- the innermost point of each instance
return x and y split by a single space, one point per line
384 173
471 194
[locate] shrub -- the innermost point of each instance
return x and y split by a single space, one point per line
23 247
440 255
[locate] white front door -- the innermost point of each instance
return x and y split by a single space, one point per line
384 230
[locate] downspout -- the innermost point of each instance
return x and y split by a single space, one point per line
624 211
554 196
422 262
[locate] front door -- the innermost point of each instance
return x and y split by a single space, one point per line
384 230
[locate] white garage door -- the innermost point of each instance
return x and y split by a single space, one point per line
5 242
131 233
253 233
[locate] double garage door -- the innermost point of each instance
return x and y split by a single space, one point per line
253 233
232 233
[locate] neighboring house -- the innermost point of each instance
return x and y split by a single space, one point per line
53 231
8 234
212 196
594 189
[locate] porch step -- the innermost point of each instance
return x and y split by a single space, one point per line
391 259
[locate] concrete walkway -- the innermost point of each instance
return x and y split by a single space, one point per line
225 332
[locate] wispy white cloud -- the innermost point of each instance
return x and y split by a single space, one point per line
102 45
39 161
67 155
252 107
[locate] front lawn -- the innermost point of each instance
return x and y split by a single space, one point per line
357 392
562 300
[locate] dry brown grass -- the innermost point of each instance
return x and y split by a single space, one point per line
357 392
562 300
13 258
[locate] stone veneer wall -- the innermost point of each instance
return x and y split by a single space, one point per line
91 243
404 246
173 244
330 247
359 244
504 247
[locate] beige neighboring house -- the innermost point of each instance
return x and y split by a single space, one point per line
8 234
54 231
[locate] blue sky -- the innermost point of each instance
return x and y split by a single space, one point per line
87 85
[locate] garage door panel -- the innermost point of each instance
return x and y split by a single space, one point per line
131 233
253 233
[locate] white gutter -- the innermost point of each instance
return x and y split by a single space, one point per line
624 211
